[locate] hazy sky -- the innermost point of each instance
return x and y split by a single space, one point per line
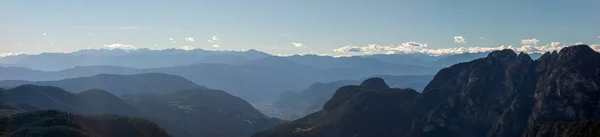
293 26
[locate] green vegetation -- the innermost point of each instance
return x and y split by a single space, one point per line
52 123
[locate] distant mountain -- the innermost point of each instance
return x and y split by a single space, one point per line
141 58
328 62
145 58
293 105
353 111
116 84
257 80
62 124
501 95
448 60
453 59
408 59
17 73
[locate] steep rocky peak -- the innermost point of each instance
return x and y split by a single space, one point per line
546 56
374 83
554 53
505 54
576 52
524 57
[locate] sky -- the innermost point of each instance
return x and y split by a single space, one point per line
283 27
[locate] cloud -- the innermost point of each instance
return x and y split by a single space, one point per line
120 46
44 34
6 54
413 47
213 41
596 47
129 28
459 40
532 41
407 47
579 43
298 45
172 40
91 34
413 44
555 44
481 38
190 39
187 48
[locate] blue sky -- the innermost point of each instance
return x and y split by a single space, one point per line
34 26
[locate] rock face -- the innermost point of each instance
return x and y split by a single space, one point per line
504 94
353 111
573 129
501 95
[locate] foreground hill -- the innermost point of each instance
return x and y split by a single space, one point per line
293 105
205 112
8 108
62 124
501 95
116 84
364 110
94 102
185 113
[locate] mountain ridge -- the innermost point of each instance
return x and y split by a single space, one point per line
502 95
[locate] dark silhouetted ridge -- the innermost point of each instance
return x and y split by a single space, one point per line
353 111
54 123
374 83
505 54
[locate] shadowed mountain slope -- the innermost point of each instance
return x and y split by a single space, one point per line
55 123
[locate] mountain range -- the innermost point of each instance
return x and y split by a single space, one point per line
260 80
501 95
221 69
